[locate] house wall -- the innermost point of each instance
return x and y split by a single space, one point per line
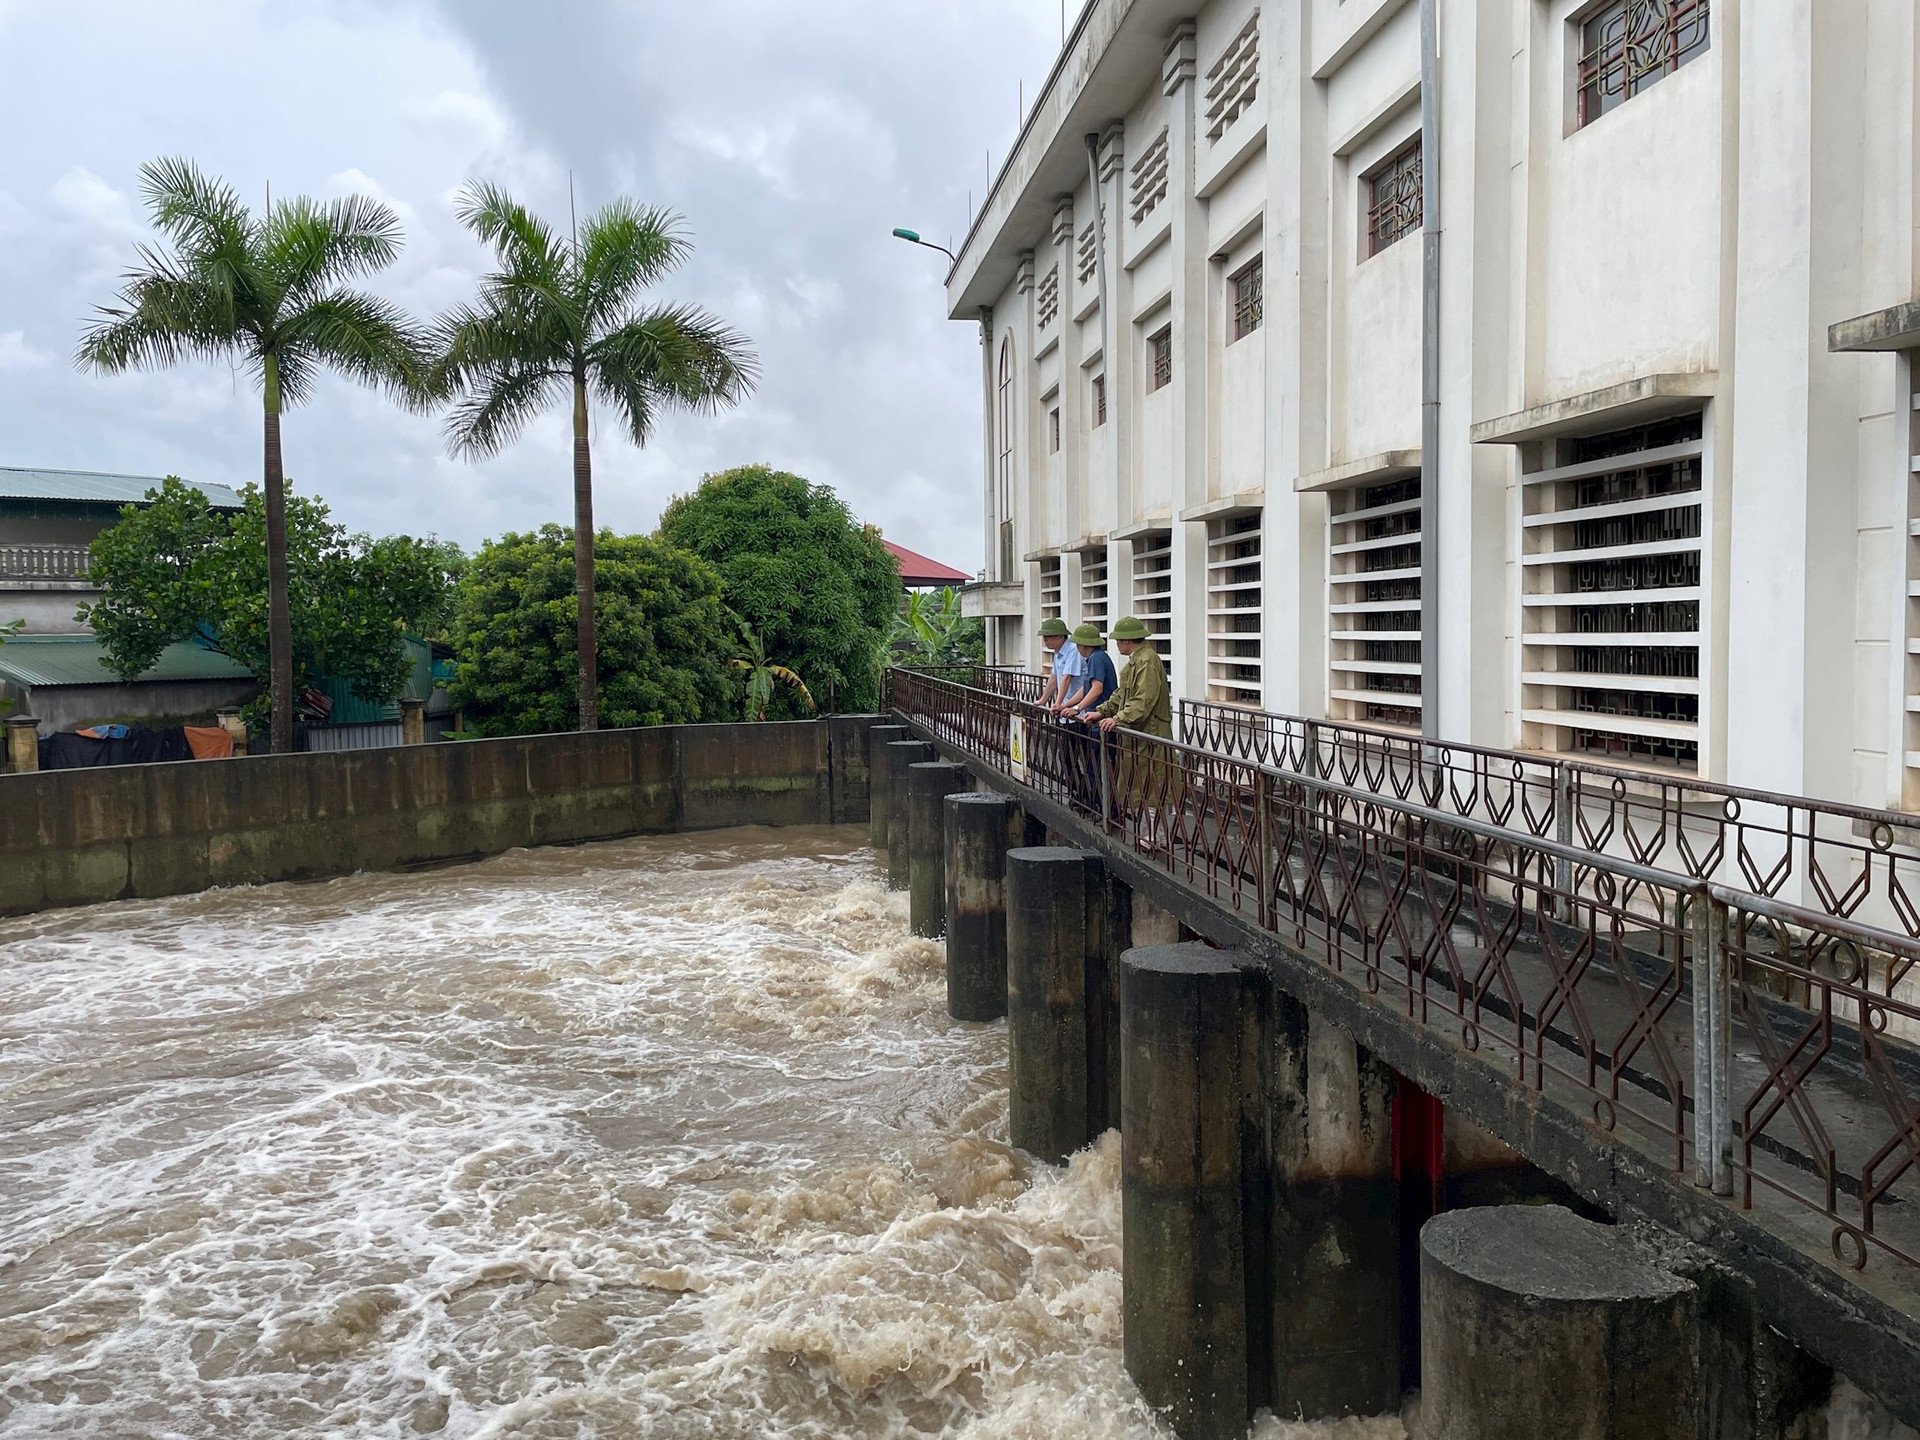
1700 237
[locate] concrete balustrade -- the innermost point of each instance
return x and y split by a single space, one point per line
23 744
980 830
878 738
901 754
1536 1322
413 721
928 785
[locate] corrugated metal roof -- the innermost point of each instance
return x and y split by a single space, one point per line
33 660
20 483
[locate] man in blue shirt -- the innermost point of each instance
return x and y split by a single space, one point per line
1068 665
1098 682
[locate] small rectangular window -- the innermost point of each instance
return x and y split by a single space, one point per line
1160 357
1247 285
1053 429
1099 401
1627 45
1393 197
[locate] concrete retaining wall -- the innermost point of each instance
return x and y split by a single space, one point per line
76 837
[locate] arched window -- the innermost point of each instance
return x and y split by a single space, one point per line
1003 497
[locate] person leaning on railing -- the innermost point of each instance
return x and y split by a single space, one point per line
1063 677
1144 704
1097 681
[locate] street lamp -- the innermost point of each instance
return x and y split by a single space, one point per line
912 237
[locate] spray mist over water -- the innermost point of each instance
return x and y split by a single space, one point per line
668 1138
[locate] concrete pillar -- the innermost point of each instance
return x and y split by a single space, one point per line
1334 1278
1190 1331
1535 1322
413 721
900 754
1048 930
979 832
23 744
230 721
929 783
878 738
1150 925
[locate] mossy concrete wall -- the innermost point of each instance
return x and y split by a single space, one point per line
76 837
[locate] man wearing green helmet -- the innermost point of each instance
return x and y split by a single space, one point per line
1068 666
1097 680
1144 701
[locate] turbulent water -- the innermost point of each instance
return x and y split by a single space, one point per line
666 1138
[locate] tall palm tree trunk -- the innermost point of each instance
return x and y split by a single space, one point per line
583 559
279 617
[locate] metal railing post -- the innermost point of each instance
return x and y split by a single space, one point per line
1263 845
1563 803
1310 757
1100 738
1720 1037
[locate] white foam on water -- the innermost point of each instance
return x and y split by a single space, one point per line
665 1138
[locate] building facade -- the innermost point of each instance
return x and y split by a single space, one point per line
1672 518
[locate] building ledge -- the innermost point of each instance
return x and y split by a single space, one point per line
1647 397
1242 502
1148 524
993 600
1367 470
1895 328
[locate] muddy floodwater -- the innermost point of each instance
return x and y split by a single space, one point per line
669 1137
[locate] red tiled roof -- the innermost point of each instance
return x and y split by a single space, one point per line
917 569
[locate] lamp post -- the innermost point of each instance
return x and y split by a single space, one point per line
912 237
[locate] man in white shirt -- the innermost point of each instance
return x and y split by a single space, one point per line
1068 664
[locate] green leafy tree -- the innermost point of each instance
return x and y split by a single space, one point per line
933 631
763 674
176 568
563 319
270 293
665 635
814 583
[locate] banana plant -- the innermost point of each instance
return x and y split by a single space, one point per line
762 674
932 626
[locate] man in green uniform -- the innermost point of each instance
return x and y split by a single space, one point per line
1143 703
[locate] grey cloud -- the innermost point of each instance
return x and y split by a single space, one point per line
792 137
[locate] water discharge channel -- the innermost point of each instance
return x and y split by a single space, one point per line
668 1137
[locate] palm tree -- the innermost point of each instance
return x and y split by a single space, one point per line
269 291
762 674
563 318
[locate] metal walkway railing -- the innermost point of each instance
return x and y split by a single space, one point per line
1763 1046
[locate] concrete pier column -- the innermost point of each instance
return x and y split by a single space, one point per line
1334 1276
1150 925
23 744
929 782
979 832
1536 1322
1049 928
231 722
413 721
900 754
878 738
1190 1331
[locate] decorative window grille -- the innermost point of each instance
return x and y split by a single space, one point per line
1627 45
1233 609
1093 587
1910 720
1099 401
1160 357
1373 603
1248 285
1234 81
1053 430
1047 303
1148 178
1088 254
1611 596
1393 197
1153 588
1050 608
1003 477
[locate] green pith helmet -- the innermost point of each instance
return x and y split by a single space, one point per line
1088 634
1131 628
1053 625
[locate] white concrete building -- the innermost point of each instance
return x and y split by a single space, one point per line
1673 521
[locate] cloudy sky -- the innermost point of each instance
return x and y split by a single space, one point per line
792 135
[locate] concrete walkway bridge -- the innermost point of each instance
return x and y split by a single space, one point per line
1682 1006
